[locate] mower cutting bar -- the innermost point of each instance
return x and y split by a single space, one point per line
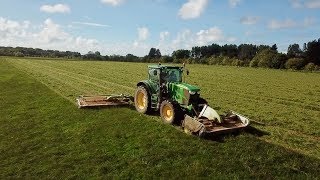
103 100
211 127
231 122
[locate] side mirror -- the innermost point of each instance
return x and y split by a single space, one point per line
155 72
188 72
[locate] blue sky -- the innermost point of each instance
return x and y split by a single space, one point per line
134 26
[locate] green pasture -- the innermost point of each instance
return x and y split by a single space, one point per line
44 135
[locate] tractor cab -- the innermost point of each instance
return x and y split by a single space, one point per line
163 74
165 86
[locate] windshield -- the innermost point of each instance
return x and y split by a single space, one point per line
172 75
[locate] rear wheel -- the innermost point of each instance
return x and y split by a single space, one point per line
170 113
141 100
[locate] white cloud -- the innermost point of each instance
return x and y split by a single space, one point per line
87 18
9 28
183 40
213 34
57 8
143 33
296 3
112 2
312 4
163 43
164 35
80 40
289 23
248 33
231 39
309 21
91 24
51 32
192 9
234 3
51 35
187 39
249 20
47 36
140 44
275 24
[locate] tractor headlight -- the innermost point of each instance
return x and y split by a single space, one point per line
192 93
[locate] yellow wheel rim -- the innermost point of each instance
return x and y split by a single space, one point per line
141 100
167 112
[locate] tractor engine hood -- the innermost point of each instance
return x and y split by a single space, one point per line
192 89
182 92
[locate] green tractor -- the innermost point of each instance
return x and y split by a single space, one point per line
180 103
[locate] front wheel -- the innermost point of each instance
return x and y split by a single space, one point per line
169 112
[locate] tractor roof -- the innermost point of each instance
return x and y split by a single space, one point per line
159 66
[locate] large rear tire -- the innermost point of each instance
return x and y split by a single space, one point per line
170 113
142 100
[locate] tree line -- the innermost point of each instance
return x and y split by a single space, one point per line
37 52
307 57
254 56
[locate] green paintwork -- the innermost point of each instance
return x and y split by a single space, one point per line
189 87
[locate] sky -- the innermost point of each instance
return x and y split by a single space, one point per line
134 26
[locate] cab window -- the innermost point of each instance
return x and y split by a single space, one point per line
172 75
154 74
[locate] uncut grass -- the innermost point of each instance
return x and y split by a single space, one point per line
113 72
72 82
290 124
287 102
43 135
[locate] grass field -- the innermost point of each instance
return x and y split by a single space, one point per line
43 133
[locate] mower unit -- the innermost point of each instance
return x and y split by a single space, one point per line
104 100
202 125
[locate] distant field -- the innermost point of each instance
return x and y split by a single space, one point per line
121 141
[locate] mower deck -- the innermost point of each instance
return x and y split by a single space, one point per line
211 127
103 100
231 122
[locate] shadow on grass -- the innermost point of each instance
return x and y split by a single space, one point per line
213 136
131 107
222 136
108 107
256 132
216 137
